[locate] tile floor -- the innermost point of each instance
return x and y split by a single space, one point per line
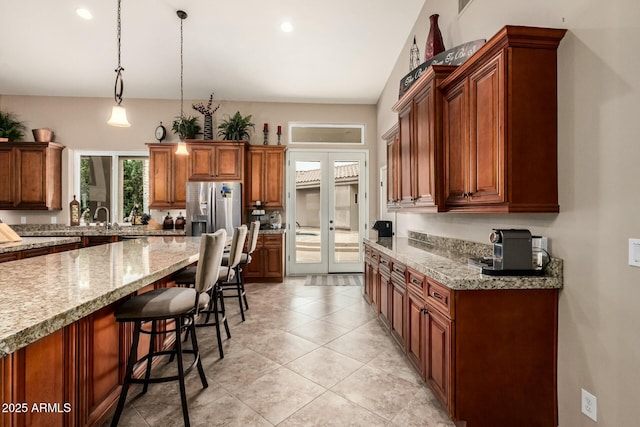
305 356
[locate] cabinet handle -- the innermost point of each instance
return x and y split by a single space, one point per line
416 282
437 295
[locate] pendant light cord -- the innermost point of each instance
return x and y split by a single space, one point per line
181 68
119 86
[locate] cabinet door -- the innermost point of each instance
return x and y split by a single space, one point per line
385 299
416 332
32 178
228 162
406 156
255 268
274 179
254 184
273 255
398 313
6 178
160 180
391 179
456 156
486 141
179 181
439 353
202 163
424 165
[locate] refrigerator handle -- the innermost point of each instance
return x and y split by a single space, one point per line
212 209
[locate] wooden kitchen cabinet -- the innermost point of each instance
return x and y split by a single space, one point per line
31 176
265 176
420 128
500 125
392 138
464 342
386 290
216 161
398 303
267 261
168 177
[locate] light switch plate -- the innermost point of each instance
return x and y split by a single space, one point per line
634 252
54 220
23 220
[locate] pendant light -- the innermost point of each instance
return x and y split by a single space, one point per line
182 146
119 113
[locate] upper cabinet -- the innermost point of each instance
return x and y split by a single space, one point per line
31 176
419 117
500 119
168 177
392 138
482 137
207 161
265 176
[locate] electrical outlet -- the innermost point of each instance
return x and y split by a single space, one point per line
634 252
589 405
54 220
23 220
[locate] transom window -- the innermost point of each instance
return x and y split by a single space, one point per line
315 133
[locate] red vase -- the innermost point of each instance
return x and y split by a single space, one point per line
435 45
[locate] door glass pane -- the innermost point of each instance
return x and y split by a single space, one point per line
307 212
95 184
346 218
134 188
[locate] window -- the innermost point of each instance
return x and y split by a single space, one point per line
118 181
309 133
462 4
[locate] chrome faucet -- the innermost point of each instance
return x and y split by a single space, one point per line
95 215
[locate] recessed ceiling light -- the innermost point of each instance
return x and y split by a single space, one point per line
84 13
286 26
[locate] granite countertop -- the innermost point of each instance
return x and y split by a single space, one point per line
65 230
35 243
41 295
447 264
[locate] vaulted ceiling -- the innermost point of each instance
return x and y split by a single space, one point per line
340 51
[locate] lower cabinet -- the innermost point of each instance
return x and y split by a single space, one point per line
12 256
267 261
466 344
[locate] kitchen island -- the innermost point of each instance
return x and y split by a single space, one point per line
59 342
35 246
486 345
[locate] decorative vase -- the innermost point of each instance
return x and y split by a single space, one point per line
208 126
435 45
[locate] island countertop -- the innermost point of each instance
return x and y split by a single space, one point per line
43 294
448 265
35 243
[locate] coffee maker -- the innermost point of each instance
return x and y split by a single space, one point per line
384 228
511 249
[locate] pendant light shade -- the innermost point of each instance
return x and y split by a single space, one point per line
119 113
182 148
119 117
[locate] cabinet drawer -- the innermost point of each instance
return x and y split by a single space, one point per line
398 273
439 297
417 281
272 239
374 256
385 265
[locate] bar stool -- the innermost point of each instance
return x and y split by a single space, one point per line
180 305
245 259
187 278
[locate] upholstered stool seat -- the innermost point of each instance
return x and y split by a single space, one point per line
188 275
159 304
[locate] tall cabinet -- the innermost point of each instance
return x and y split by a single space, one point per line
265 176
31 176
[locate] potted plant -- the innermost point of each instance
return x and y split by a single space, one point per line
186 127
11 129
236 128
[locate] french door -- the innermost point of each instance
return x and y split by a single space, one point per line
327 211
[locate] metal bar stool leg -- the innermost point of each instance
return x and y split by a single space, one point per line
152 348
223 311
237 269
194 345
216 316
133 357
183 391
244 295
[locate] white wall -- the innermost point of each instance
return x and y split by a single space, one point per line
599 154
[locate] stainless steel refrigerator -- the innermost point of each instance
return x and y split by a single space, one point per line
213 205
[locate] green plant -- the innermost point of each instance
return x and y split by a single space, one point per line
236 128
186 127
11 127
